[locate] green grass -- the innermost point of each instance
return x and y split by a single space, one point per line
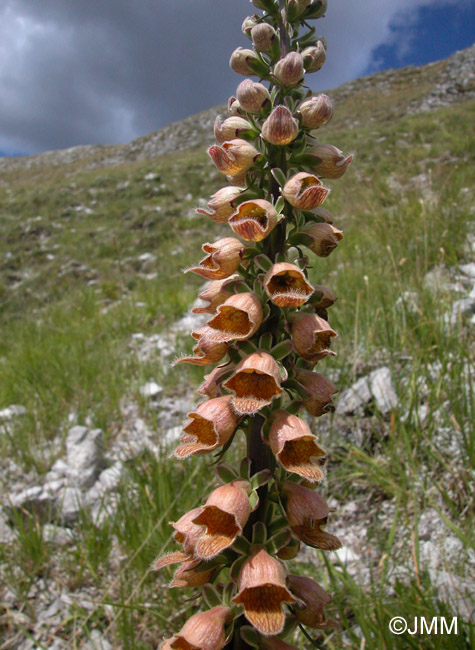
70 283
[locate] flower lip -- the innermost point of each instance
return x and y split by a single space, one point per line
237 318
254 220
203 631
314 598
311 335
254 383
221 207
305 191
206 352
262 592
210 426
324 238
234 156
222 259
286 285
320 391
295 447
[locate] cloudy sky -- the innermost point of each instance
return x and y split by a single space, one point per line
106 71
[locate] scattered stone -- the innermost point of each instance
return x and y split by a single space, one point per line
96 642
57 535
11 412
468 269
6 533
150 389
382 389
84 455
354 398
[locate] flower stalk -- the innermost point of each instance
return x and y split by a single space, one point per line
267 330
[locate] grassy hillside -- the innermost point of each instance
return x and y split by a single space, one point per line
76 284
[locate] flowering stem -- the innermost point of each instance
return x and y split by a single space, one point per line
284 36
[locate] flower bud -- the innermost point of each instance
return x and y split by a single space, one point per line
211 384
314 57
203 631
324 214
252 96
254 220
263 35
305 191
210 426
311 335
314 599
240 61
294 446
323 297
234 107
262 592
224 515
280 128
230 128
289 70
317 9
221 206
255 382
248 23
186 532
286 285
233 157
206 352
297 7
331 162
192 573
316 111
237 319
320 390
222 259
325 238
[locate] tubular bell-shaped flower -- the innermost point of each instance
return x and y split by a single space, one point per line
224 515
307 513
222 259
286 285
241 61
330 161
295 447
186 532
312 335
237 319
314 57
215 293
320 391
203 631
253 220
252 96
263 592
210 426
314 598
234 156
325 238
305 191
263 36
255 382
280 128
316 111
289 70
230 128
221 206
206 352
210 386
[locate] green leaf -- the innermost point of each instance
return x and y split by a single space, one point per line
241 545
265 341
260 479
278 541
280 204
247 347
263 262
259 533
282 349
211 596
253 500
250 636
226 473
279 176
245 468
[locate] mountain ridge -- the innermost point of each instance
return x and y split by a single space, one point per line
408 90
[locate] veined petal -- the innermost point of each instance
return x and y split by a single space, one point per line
222 259
237 319
286 285
255 383
254 220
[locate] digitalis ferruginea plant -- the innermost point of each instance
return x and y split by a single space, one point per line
267 329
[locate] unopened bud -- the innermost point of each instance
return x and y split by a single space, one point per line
252 97
331 162
230 128
316 111
317 9
234 107
241 61
263 35
295 8
221 206
289 70
280 128
248 23
314 57
325 238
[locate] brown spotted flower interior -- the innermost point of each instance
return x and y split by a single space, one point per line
253 389
297 454
289 288
231 320
263 607
221 531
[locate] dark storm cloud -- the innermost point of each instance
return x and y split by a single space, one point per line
101 71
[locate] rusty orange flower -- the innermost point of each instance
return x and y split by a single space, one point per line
325 238
263 592
203 631
280 128
312 335
192 573
206 352
224 515
332 163
237 319
221 206
320 390
305 191
253 220
316 111
295 447
286 285
252 97
314 598
255 382
222 259
215 293
210 426
211 384
234 156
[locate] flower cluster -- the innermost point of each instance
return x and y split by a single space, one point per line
267 329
